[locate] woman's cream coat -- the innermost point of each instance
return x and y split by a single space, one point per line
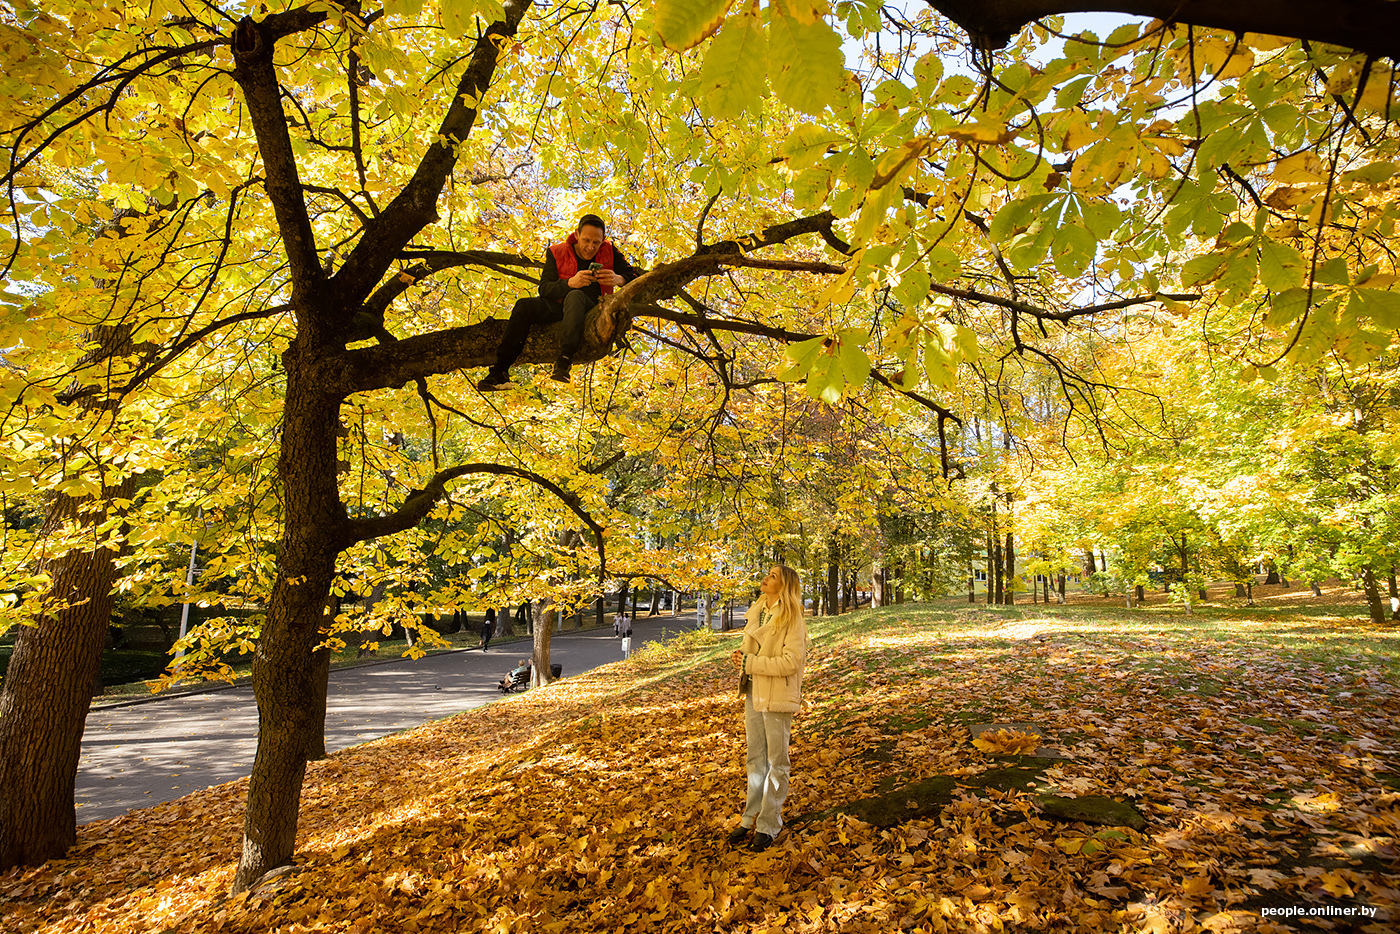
775 659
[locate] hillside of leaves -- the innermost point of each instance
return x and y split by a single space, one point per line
1259 744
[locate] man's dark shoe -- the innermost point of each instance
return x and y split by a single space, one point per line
561 370
493 381
737 836
761 842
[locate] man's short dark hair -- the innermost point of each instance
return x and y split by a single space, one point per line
592 220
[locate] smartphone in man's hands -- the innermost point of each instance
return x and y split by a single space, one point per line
595 268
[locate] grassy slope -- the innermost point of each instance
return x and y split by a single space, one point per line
1260 744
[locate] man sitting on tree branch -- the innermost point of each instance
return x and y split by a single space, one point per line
577 274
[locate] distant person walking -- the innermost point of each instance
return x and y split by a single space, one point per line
771 661
627 636
488 628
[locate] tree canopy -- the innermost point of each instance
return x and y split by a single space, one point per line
254 250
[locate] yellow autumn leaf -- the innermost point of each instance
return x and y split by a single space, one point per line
1300 169
1335 883
989 132
1007 742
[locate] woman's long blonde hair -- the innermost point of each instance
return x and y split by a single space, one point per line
789 609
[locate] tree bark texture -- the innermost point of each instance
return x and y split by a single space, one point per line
997 570
316 743
1373 597
539 657
991 568
53 668
48 689
285 680
1010 570
832 570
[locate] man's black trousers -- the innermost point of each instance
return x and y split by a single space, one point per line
541 312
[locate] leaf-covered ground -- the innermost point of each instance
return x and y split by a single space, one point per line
1261 746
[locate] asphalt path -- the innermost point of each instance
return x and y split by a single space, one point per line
143 753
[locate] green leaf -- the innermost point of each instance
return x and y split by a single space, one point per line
810 188
913 286
1103 218
1382 306
1203 269
1280 266
1072 93
945 263
1332 272
826 380
731 80
855 365
683 24
939 367
928 71
805 352
1287 307
810 66
1016 217
1073 249
807 145
966 340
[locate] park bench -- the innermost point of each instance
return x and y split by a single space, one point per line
520 681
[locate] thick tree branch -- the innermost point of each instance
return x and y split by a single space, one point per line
1371 26
431 261
416 205
253 70
421 502
397 363
775 234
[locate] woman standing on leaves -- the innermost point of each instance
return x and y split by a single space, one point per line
771 663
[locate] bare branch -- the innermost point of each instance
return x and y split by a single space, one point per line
1061 316
421 502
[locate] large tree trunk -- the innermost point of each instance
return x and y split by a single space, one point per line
48 688
1010 597
1089 566
284 671
991 567
832 570
1373 597
321 671
53 668
544 631
997 569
